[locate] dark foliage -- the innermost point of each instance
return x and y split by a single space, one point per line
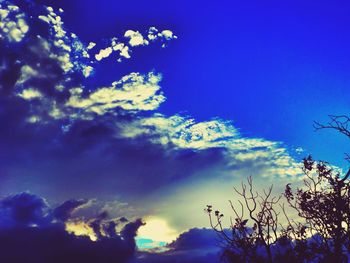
309 224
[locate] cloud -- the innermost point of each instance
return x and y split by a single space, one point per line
133 39
195 238
91 45
184 133
64 211
13 23
134 92
104 53
31 230
55 236
29 94
61 136
164 36
78 132
194 245
156 230
23 210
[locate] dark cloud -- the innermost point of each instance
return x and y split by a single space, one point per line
196 238
54 244
193 246
31 232
64 211
24 210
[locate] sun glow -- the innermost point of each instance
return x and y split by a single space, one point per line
157 229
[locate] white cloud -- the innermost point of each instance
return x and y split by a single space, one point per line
184 133
55 20
135 38
122 48
104 53
91 45
134 92
71 50
87 71
168 35
12 23
27 72
154 34
124 52
29 94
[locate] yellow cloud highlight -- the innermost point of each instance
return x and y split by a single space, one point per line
157 229
29 94
80 228
132 92
12 23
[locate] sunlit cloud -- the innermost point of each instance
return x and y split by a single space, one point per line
157 230
13 23
29 94
133 92
80 228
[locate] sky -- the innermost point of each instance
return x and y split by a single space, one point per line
112 111
289 60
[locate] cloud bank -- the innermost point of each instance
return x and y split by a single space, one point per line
63 138
31 229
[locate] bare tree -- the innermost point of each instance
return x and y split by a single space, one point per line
260 209
321 231
339 123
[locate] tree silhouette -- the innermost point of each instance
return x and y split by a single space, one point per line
323 202
319 233
244 241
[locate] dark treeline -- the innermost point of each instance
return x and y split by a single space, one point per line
307 224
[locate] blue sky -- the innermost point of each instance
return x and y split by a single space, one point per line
220 92
272 68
